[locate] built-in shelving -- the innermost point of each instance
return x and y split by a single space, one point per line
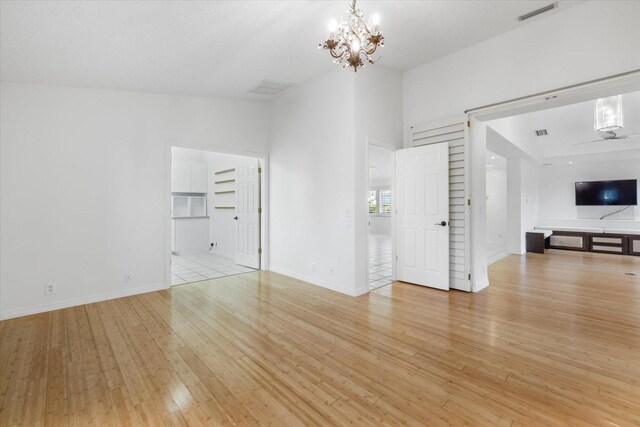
224 207
225 181
224 171
188 206
225 192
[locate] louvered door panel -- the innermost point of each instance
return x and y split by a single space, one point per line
453 133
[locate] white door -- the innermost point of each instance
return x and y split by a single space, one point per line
247 234
422 215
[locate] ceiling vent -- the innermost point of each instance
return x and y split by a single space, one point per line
542 132
269 87
538 11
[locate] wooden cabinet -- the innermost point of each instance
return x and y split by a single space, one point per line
622 244
569 240
188 177
633 245
608 243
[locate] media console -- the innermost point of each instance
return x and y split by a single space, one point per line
611 241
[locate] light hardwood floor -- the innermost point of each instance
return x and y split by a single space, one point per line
555 340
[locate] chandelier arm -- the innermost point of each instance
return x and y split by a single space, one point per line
372 50
334 53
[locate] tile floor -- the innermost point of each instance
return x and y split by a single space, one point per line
197 267
379 260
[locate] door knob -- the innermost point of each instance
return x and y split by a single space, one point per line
235 217
442 223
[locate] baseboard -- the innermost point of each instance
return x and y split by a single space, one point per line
480 285
497 257
318 282
73 302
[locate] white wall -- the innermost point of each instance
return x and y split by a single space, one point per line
496 203
318 180
522 202
378 118
84 186
380 225
312 189
546 54
557 189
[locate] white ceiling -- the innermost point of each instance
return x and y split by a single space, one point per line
573 124
224 48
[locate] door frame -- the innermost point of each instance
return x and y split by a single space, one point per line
263 158
476 130
444 123
393 215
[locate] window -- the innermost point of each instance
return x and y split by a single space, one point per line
373 201
385 201
379 201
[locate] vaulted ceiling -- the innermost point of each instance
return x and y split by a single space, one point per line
224 48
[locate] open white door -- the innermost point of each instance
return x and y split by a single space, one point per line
248 215
422 215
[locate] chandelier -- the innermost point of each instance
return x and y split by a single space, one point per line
353 42
608 114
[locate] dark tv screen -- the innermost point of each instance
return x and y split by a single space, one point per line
602 193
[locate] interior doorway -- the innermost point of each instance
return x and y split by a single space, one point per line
380 201
215 215
552 142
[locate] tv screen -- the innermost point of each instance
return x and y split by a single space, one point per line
602 193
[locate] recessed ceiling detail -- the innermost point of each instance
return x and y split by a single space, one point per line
269 87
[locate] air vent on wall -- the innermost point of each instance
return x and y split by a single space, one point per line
538 11
542 132
269 87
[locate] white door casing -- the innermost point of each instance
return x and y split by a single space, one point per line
247 234
422 215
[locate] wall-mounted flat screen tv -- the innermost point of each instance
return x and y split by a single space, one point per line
607 193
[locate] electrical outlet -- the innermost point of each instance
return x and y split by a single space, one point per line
49 288
331 270
313 267
128 277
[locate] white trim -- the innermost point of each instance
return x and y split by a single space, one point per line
480 285
322 283
497 257
73 302
607 86
390 215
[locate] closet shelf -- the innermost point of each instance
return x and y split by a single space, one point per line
225 192
225 181
225 171
224 207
